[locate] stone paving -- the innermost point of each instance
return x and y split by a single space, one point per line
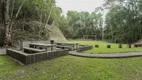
115 55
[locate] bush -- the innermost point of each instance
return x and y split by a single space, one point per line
96 46
119 45
108 46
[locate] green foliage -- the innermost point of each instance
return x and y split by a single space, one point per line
124 21
33 18
29 31
78 24
33 9
62 23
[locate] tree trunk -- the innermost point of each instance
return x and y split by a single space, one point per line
5 36
2 27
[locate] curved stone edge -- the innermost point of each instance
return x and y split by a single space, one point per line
117 52
119 55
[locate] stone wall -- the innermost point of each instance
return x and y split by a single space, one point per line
84 48
36 57
20 56
70 46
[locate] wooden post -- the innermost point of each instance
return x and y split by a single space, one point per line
96 46
119 45
129 45
108 46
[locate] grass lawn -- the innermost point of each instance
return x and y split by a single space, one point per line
103 49
75 68
6 65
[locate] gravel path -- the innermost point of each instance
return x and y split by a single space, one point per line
2 52
117 55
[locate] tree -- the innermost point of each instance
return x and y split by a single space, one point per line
123 22
25 17
80 24
4 23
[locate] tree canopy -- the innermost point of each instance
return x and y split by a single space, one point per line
79 24
124 21
25 18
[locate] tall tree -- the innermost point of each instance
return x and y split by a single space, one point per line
123 21
82 24
24 16
4 23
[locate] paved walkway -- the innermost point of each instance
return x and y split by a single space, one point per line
2 52
117 55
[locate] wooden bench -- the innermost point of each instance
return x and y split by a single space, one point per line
32 50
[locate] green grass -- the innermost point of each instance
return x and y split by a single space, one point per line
75 68
6 65
78 68
103 49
